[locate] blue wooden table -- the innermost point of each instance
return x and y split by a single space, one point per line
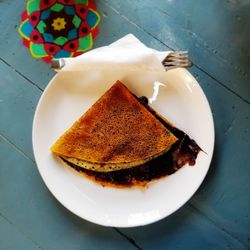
217 35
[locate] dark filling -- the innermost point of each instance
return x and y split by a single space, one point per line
184 151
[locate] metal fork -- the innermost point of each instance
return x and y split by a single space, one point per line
177 59
57 64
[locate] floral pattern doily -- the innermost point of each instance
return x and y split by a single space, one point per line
59 28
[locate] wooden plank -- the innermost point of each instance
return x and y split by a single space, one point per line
28 205
186 229
224 197
11 238
11 50
216 34
18 99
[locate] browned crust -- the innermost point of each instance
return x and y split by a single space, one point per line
116 129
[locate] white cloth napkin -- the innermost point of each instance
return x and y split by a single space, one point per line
127 52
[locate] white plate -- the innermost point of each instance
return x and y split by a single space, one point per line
70 94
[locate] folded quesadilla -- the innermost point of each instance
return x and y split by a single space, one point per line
122 142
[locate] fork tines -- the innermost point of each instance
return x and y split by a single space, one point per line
177 59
